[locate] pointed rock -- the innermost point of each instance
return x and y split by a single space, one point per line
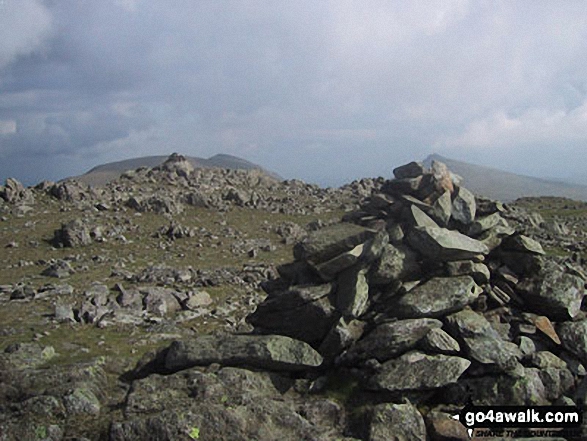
444 244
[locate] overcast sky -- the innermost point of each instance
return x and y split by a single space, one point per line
325 91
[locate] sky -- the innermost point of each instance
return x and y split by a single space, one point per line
326 91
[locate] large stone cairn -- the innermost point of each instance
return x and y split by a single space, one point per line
427 290
425 296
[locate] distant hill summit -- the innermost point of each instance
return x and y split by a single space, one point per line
506 186
104 173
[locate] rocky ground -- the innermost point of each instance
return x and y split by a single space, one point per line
167 306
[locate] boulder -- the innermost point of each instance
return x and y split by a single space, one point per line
272 352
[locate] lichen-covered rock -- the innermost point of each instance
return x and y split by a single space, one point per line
482 343
72 234
439 296
553 292
272 352
389 340
395 263
418 371
395 422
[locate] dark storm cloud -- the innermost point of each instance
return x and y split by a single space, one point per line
352 88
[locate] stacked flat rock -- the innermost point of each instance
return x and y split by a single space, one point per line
427 293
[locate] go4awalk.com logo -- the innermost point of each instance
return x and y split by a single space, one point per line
522 421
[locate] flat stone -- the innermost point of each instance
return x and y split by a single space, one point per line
273 352
341 336
418 371
437 297
391 339
443 244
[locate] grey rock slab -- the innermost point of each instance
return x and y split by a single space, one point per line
395 422
553 292
437 297
443 244
397 262
273 352
418 371
573 336
327 243
464 206
391 339
329 269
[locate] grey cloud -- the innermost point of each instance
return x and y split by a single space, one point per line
325 91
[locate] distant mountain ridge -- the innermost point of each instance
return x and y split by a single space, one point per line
104 173
507 186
